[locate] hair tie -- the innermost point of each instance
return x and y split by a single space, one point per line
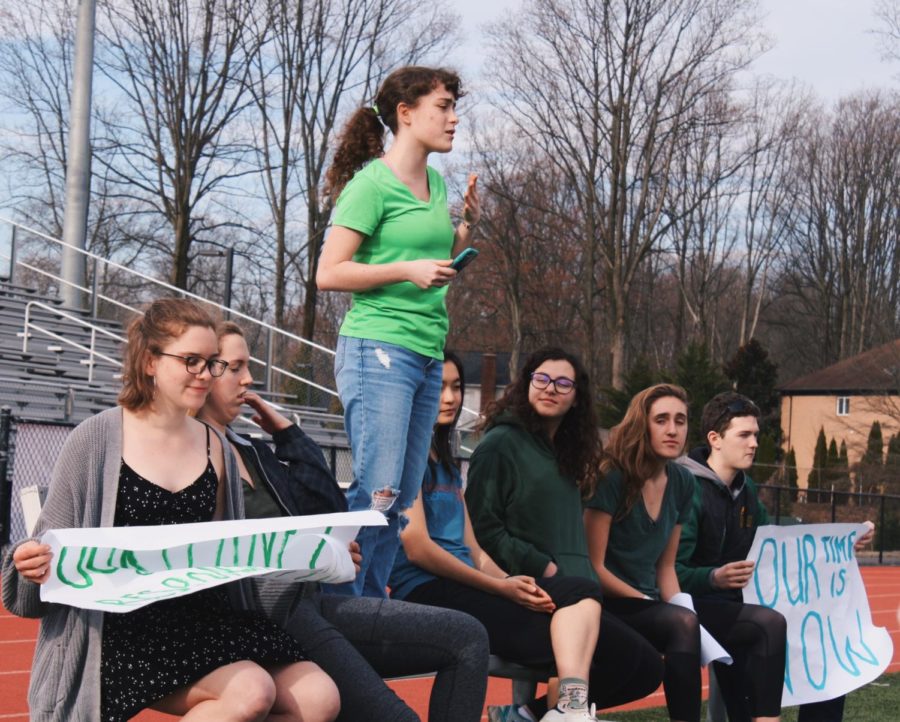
375 110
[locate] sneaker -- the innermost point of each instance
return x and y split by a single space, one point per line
510 713
572 715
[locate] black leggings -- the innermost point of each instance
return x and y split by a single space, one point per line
625 667
753 635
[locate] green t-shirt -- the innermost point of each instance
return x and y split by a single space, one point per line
397 227
636 541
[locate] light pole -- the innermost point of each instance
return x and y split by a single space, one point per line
78 173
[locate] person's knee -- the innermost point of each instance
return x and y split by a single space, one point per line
250 693
318 698
684 623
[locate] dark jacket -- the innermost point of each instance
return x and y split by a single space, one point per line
301 483
722 525
524 512
296 473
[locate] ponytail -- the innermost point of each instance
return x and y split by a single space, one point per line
361 141
363 137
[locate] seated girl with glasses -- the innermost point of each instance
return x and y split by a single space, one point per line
148 462
524 496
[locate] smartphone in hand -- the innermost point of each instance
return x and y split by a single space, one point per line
464 259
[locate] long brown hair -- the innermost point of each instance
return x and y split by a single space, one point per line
577 440
362 138
163 321
628 448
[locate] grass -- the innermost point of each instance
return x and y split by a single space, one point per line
876 702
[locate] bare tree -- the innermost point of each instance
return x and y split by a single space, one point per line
36 69
607 89
843 257
887 12
181 68
524 289
771 130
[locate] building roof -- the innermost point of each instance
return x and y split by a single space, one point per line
874 371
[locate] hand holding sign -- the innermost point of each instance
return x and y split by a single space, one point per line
733 575
118 569
32 561
809 574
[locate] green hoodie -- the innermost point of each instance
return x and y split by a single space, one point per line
524 512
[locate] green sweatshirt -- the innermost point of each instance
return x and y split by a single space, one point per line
524 512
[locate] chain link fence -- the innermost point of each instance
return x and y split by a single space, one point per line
28 452
789 505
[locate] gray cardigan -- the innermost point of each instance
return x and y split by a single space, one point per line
65 673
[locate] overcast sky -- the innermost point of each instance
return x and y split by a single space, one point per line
822 43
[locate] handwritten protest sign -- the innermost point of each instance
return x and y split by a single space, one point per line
118 569
809 574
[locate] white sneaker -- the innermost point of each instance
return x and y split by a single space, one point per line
572 715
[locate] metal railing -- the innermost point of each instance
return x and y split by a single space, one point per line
94 329
270 332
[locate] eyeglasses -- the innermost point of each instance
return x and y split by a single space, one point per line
196 364
561 384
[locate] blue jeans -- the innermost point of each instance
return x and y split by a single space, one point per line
391 397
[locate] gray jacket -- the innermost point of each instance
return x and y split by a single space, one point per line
65 674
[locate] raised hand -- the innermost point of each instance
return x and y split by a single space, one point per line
266 416
471 202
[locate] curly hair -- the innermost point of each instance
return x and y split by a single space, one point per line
163 321
628 448
577 440
362 138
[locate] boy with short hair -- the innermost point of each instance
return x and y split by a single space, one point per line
712 552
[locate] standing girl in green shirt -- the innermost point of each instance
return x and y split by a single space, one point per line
390 245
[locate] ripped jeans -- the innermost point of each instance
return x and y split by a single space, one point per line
391 397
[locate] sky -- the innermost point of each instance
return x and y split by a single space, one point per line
824 44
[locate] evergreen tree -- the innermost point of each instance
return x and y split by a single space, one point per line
702 380
790 477
893 452
892 465
755 375
839 469
834 457
766 459
870 472
874 446
615 401
819 468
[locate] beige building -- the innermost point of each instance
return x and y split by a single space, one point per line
844 399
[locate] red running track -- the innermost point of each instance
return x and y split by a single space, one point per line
17 638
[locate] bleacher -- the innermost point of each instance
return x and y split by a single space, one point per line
67 368
52 375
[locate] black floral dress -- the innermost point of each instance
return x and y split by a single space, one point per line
153 651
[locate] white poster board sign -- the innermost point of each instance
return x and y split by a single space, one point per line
809 573
118 569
